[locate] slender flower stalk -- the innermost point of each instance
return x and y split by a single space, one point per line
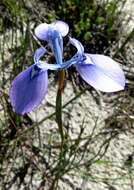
59 104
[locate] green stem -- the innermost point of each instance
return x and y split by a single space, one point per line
59 104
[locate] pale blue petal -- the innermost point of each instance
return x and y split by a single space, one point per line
41 31
38 53
46 31
57 49
61 27
28 89
103 74
108 66
60 41
77 44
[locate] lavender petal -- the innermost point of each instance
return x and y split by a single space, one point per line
38 53
103 74
77 44
41 31
57 49
61 27
28 89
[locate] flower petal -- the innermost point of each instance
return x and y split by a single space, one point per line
57 49
110 67
41 31
38 53
77 44
28 89
61 26
104 74
46 31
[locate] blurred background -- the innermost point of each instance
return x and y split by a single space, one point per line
100 127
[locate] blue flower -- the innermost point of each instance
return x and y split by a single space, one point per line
100 71
30 86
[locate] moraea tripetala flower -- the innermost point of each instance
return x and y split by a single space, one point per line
29 87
